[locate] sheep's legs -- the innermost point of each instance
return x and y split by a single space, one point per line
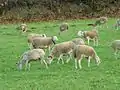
45 63
26 65
79 62
60 57
88 40
89 61
30 45
67 60
70 57
76 63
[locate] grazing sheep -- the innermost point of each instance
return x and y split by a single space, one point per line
78 41
31 55
23 27
116 47
44 42
63 27
31 36
61 49
90 35
117 25
100 21
81 51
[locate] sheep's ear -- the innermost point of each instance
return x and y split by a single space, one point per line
50 57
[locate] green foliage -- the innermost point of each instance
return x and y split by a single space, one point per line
58 76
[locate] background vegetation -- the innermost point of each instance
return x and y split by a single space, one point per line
29 10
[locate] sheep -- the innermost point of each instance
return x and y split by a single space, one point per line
116 47
90 35
23 27
31 36
81 51
63 27
61 49
117 25
31 55
78 41
100 21
44 42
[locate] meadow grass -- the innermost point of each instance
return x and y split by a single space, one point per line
58 76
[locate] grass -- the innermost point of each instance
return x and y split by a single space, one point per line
58 76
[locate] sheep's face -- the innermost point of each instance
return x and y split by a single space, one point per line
55 38
49 59
19 65
97 60
81 33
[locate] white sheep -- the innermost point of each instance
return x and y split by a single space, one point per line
100 21
90 35
31 55
63 27
81 51
78 41
31 36
44 42
116 47
61 49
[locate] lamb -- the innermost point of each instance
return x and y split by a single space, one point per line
90 35
63 27
31 55
116 47
44 42
78 41
61 49
81 51
31 36
100 21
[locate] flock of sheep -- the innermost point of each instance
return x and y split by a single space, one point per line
75 49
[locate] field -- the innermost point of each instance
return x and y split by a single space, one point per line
58 76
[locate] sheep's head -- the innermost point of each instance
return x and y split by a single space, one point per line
97 60
55 38
19 65
49 59
81 33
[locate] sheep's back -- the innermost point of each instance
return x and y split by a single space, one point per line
116 44
78 41
64 47
85 50
35 54
91 34
42 41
